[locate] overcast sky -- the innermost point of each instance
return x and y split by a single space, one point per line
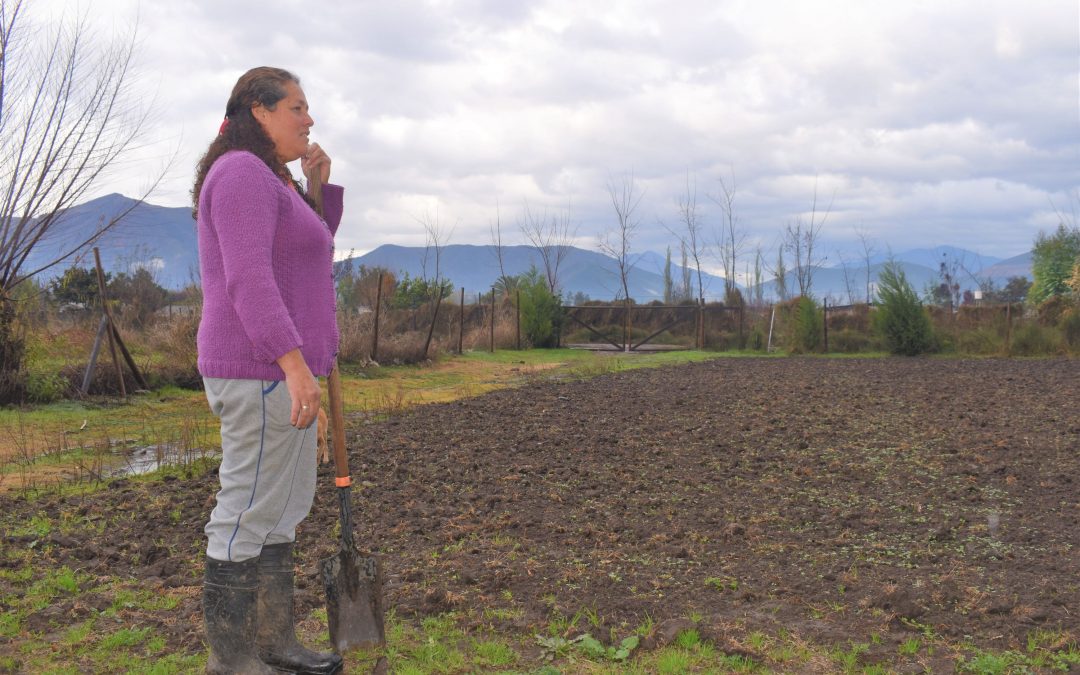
922 122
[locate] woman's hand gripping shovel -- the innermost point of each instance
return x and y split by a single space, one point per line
354 603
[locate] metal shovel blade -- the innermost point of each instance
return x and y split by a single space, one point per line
353 600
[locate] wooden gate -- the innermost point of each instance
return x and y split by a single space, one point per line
678 314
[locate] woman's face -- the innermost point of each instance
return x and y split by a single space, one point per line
288 124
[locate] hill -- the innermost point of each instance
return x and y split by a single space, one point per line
159 238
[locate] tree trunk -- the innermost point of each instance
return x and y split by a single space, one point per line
12 348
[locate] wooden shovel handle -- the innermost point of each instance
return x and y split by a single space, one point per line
337 420
337 404
314 191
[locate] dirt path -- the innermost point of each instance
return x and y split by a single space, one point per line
840 500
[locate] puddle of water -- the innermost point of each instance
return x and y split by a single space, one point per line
144 459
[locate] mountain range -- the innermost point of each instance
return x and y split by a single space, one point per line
163 240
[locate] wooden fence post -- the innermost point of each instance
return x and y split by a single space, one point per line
1008 329
89 374
825 322
742 324
492 320
434 318
517 319
461 323
108 318
701 323
375 330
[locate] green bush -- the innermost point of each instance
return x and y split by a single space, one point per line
806 334
45 387
901 320
414 292
1033 339
541 310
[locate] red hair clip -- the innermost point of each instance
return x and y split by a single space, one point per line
224 126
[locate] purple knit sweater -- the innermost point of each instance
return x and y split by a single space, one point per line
267 272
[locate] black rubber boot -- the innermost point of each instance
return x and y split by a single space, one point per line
277 630
229 606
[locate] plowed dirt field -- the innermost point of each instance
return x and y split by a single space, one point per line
836 500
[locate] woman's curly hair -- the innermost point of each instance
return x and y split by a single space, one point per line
263 85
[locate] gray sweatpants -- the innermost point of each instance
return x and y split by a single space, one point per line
267 468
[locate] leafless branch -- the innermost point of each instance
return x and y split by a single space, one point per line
867 254
730 236
551 236
616 242
691 235
801 237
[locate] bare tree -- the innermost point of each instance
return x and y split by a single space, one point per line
551 236
801 238
849 279
867 254
617 241
435 238
505 284
692 235
730 236
67 113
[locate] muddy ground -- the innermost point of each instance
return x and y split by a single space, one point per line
833 499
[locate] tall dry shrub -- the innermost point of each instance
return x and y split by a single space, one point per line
175 337
356 336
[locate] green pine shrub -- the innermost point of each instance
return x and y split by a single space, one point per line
901 319
541 310
806 326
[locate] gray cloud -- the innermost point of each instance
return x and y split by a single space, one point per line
951 123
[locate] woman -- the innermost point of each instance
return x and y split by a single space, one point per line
268 330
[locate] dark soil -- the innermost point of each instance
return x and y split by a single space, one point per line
834 499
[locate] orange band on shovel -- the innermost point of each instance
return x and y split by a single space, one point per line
343 481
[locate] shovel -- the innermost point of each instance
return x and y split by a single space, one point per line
354 604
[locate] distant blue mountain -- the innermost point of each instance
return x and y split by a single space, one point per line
163 239
476 269
933 257
838 286
160 238
1017 266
